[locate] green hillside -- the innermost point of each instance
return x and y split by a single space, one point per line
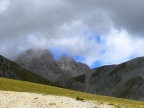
22 86
9 69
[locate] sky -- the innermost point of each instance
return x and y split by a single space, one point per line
95 32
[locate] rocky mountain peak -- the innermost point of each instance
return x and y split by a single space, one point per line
42 62
66 59
74 68
34 53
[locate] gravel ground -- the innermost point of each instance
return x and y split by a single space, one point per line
9 99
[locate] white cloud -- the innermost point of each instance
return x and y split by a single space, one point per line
4 5
120 46
72 26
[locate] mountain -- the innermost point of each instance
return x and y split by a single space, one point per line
9 69
125 80
61 72
43 63
71 67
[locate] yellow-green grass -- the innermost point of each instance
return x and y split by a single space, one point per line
22 86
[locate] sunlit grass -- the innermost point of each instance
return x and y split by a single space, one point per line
22 86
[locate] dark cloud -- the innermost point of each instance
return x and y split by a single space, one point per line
45 23
129 15
123 14
47 17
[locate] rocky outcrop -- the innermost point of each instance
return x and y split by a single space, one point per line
71 67
42 63
125 80
9 69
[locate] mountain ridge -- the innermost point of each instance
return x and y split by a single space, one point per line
125 80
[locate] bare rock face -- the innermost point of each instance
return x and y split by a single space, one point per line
125 80
71 67
41 62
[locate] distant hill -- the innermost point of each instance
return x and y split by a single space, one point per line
125 80
9 69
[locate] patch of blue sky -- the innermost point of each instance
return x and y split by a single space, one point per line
93 36
102 51
57 53
96 64
79 58
132 56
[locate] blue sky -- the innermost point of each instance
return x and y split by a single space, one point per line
95 32
57 54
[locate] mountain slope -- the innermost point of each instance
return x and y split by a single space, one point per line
125 80
75 83
9 69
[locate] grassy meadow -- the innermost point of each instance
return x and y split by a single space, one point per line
23 86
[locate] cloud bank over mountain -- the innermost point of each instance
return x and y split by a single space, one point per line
100 31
